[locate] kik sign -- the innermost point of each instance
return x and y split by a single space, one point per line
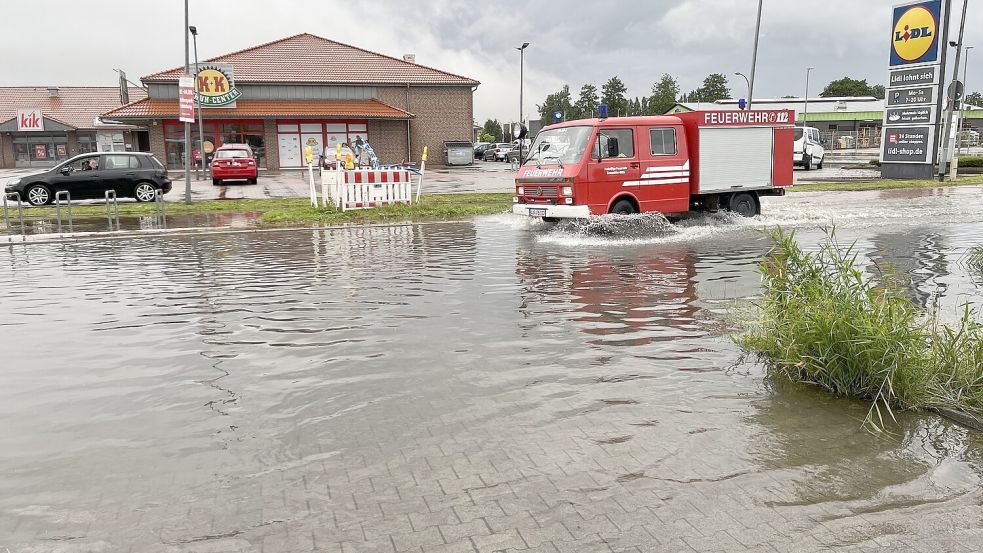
30 120
215 86
915 33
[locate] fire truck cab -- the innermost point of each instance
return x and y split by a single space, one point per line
672 164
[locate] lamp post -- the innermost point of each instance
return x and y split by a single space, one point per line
187 126
754 56
522 51
965 76
201 123
748 81
805 110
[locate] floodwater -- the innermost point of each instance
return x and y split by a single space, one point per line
494 385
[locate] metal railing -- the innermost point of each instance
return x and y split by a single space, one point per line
68 203
112 209
20 211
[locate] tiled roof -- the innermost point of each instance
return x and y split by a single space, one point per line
306 58
75 106
150 108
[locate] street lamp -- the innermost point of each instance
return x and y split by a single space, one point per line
805 110
187 126
748 81
965 76
522 50
201 123
754 56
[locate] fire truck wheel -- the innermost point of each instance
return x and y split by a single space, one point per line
744 204
623 207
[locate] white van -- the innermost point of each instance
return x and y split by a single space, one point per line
809 151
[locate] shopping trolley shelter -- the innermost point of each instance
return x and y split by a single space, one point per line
705 160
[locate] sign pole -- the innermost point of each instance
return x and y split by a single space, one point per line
187 125
953 100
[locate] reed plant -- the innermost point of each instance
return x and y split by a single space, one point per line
822 319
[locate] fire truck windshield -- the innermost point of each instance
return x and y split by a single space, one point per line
559 146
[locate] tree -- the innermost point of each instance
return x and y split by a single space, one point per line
714 88
586 105
974 99
664 95
557 101
613 94
851 87
877 91
491 128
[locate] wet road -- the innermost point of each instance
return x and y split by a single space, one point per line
481 386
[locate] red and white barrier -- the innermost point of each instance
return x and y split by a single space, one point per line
366 188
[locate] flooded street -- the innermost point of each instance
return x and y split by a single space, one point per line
492 385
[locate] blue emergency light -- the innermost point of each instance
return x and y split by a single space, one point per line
557 116
742 103
602 111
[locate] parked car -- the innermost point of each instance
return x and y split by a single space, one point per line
500 152
808 148
513 154
130 174
234 162
479 149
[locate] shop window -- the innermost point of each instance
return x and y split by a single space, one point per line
87 143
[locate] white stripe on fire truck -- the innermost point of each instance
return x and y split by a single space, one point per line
654 182
666 175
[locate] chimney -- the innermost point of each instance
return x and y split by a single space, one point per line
52 91
411 58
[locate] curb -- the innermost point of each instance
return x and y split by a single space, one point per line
966 419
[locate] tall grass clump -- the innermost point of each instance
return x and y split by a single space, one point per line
976 261
822 320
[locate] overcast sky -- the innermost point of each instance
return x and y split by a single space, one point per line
573 41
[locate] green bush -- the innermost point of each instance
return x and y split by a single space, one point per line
971 161
821 320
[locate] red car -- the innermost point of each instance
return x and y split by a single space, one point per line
234 162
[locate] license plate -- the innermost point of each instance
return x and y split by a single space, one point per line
235 163
537 212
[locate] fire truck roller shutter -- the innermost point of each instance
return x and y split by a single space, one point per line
736 158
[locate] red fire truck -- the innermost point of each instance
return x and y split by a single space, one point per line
672 164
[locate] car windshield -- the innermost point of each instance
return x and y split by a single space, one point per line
559 146
798 133
232 154
504 146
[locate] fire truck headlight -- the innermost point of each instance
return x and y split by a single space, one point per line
569 201
515 200
567 191
520 191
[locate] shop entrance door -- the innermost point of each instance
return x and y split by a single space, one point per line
289 148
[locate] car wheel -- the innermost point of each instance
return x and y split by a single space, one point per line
254 180
807 162
744 204
144 192
38 194
623 207
216 182
820 164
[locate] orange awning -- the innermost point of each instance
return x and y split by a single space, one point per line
151 108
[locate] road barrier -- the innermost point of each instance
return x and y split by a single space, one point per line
68 203
112 209
20 211
367 188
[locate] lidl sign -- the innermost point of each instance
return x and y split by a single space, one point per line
215 86
915 33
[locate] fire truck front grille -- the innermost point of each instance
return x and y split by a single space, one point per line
539 191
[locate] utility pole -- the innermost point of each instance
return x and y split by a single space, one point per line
187 126
522 51
805 110
965 88
201 120
754 56
947 142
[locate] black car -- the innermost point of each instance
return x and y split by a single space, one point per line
131 174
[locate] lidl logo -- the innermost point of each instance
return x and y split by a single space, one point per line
914 38
215 86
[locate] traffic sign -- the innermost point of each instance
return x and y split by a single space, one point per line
955 91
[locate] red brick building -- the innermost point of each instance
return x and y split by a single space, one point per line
307 90
69 124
